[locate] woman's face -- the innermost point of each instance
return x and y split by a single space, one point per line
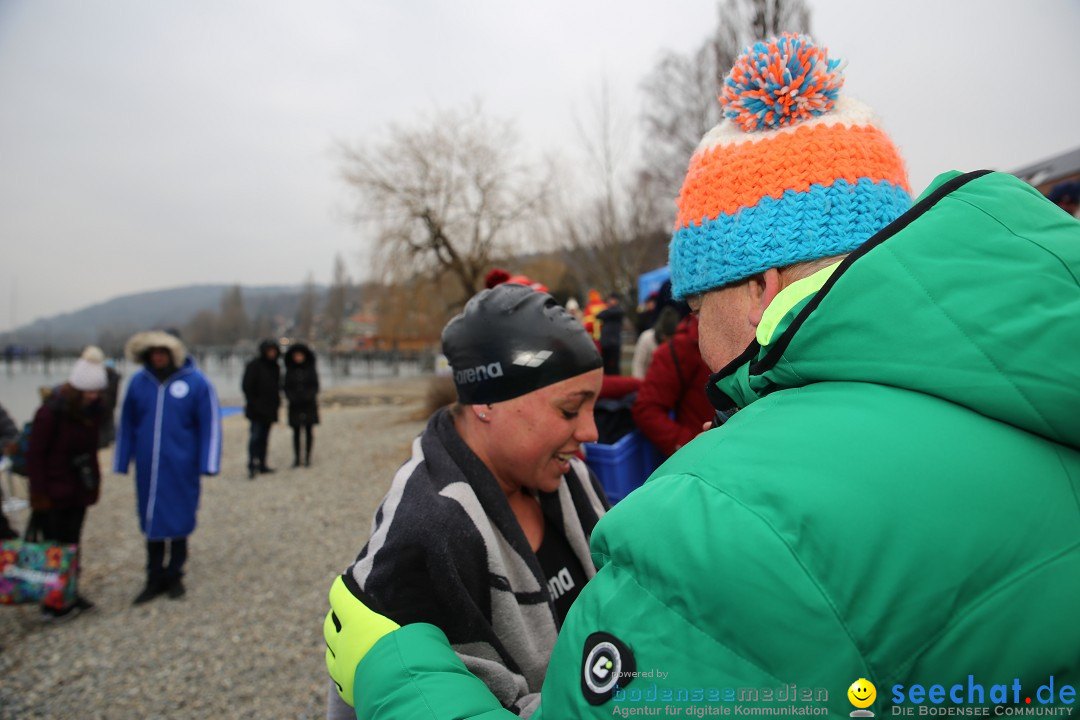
298 358
534 436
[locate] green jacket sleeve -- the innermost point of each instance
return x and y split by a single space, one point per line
414 674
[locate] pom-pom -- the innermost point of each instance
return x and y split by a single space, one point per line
93 353
496 276
781 81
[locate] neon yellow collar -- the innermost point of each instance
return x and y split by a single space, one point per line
788 298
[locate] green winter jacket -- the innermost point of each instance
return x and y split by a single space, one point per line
898 500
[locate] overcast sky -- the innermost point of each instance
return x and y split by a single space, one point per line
146 145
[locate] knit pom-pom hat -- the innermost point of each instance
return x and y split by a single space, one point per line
793 172
88 373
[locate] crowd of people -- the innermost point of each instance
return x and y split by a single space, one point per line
169 428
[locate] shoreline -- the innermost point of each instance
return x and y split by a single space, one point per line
20 389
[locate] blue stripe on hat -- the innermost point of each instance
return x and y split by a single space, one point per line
818 223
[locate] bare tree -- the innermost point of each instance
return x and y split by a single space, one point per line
680 107
553 270
305 314
681 92
262 326
598 229
233 321
202 329
415 311
747 21
336 299
445 196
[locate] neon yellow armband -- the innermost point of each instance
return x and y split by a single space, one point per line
351 629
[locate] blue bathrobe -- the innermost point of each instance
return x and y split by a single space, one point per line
173 431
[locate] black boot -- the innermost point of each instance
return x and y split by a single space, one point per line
175 588
154 588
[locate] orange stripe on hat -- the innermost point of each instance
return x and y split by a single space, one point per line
722 179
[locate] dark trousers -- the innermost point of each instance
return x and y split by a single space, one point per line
156 569
612 355
62 525
308 435
6 531
257 443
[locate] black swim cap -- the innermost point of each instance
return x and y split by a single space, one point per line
511 340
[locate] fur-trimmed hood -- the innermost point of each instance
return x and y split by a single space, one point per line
141 342
309 356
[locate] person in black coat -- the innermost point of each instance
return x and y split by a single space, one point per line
262 398
611 322
109 399
302 390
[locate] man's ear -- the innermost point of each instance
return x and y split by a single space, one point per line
762 288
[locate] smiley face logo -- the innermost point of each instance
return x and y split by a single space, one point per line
862 693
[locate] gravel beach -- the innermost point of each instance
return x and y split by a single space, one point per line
246 640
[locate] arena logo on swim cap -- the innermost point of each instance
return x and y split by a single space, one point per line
478 373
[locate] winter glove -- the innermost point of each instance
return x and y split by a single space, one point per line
351 629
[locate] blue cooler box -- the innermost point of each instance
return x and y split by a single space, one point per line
624 465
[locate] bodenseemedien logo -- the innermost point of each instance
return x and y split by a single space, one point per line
862 694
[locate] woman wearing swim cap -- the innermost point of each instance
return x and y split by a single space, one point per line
485 530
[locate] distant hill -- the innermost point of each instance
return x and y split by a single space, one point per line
112 321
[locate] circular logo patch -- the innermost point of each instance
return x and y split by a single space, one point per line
602 668
179 389
607 663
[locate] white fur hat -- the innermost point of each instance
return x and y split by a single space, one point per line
88 374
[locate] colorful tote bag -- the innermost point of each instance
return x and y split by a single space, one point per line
38 572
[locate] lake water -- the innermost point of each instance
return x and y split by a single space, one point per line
19 380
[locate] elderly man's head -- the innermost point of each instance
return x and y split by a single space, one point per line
729 316
793 174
